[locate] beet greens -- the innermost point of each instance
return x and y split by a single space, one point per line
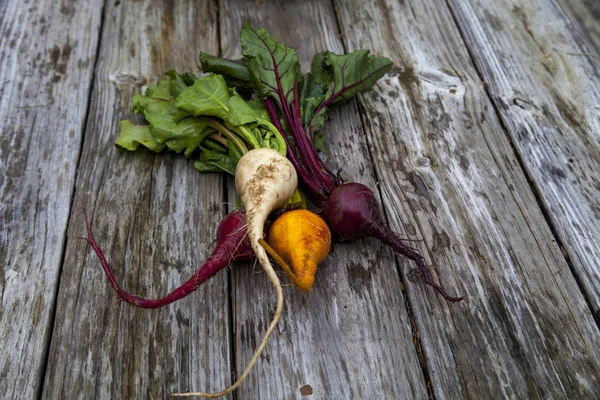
298 106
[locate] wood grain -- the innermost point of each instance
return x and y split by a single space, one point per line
155 216
548 98
47 53
482 143
352 337
449 175
583 17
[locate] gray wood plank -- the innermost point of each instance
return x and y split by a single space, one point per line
585 18
352 337
47 53
154 216
549 101
448 175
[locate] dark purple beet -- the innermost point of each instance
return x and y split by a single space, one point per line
232 246
350 209
352 212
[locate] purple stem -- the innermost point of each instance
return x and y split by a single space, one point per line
329 178
309 181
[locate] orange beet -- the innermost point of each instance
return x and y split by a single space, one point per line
302 239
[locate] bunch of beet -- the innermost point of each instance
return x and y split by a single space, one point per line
266 178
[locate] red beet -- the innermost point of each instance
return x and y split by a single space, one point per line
352 212
350 209
232 246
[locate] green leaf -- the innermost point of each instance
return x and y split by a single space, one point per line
188 135
238 203
154 94
320 75
313 88
169 126
163 92
273 67
234 69
234 153
132 136
353 73
319 141
244 112
250 120
312 95
345 76
163 118
189 78
215 145
235 72
208 96
179 82
213 161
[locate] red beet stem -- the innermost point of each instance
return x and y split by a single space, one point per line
352 212
231 247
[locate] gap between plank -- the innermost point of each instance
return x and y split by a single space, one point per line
531 183
63 250
228 208
418 346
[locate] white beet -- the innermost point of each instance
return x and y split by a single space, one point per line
265 180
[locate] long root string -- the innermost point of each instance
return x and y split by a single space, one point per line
263 258
388 237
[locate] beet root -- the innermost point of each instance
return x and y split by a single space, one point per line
232 246
353 212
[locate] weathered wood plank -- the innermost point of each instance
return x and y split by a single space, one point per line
585 17
449 175
549 101
352 338
47 52
155 217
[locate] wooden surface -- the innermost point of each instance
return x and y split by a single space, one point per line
483 143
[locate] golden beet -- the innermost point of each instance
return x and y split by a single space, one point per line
302 239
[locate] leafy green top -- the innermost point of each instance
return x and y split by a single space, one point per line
262 100
189 114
